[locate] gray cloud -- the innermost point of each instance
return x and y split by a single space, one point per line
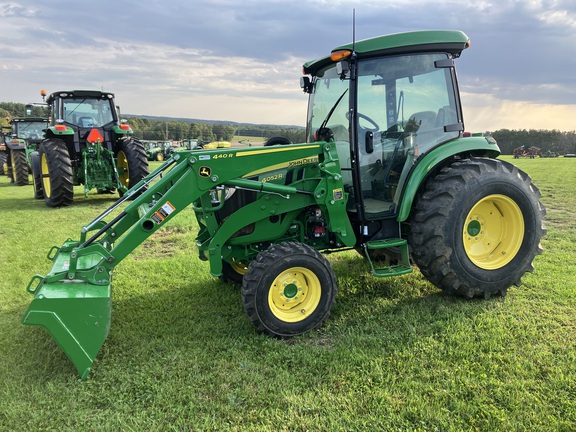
521 50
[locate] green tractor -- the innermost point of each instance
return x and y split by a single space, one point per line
387 170
85 144
23 138
158 151
153 151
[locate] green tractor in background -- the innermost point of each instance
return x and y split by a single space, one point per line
387 170
153 151
190 144
23 138
158 151
85 144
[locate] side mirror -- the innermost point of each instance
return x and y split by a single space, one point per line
28 110
342 69
369 142
306 84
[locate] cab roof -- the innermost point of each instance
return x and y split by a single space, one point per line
92 94
450 41
28 119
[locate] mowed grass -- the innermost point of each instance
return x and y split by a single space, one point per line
395 354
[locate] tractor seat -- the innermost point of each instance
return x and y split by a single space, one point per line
86 122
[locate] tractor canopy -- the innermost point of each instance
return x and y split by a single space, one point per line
451 41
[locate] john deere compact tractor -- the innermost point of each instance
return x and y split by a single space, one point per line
85 144
387 170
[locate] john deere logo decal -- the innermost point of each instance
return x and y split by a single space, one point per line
205 171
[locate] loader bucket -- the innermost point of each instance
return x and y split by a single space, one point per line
76 314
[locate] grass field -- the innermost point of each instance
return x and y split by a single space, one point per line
395 354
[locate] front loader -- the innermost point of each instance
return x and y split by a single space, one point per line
387 170
86 144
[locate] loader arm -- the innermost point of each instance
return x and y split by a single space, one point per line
73 301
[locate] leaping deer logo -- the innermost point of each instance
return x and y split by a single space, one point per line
205 171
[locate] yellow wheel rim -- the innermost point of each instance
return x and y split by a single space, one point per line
13 168
493 232
160 157
239 267
295 294
122 166
45 175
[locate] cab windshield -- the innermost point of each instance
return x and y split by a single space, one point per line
29 130
86 112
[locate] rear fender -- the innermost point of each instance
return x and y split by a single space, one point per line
428 162
16 144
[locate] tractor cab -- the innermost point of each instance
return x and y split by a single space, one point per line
28 128
384 109
83 109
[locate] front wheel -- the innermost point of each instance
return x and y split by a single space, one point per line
233 272
131 162
476 227
19 167
289 289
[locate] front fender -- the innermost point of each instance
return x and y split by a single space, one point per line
16 144
118 130
478 146
59 130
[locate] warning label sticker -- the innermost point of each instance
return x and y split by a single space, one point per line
337 194
163 212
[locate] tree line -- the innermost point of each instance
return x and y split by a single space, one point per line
152 129
174 130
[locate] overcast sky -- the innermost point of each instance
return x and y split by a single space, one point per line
242 60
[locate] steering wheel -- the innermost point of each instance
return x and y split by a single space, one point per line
374 128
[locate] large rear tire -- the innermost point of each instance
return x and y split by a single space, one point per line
131 162
56 169
3 166
19 167
289 289
476 227
36 175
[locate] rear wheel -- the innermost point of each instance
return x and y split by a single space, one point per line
56 170
19 167
3 167
476 227
36 175
131 162
289 289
